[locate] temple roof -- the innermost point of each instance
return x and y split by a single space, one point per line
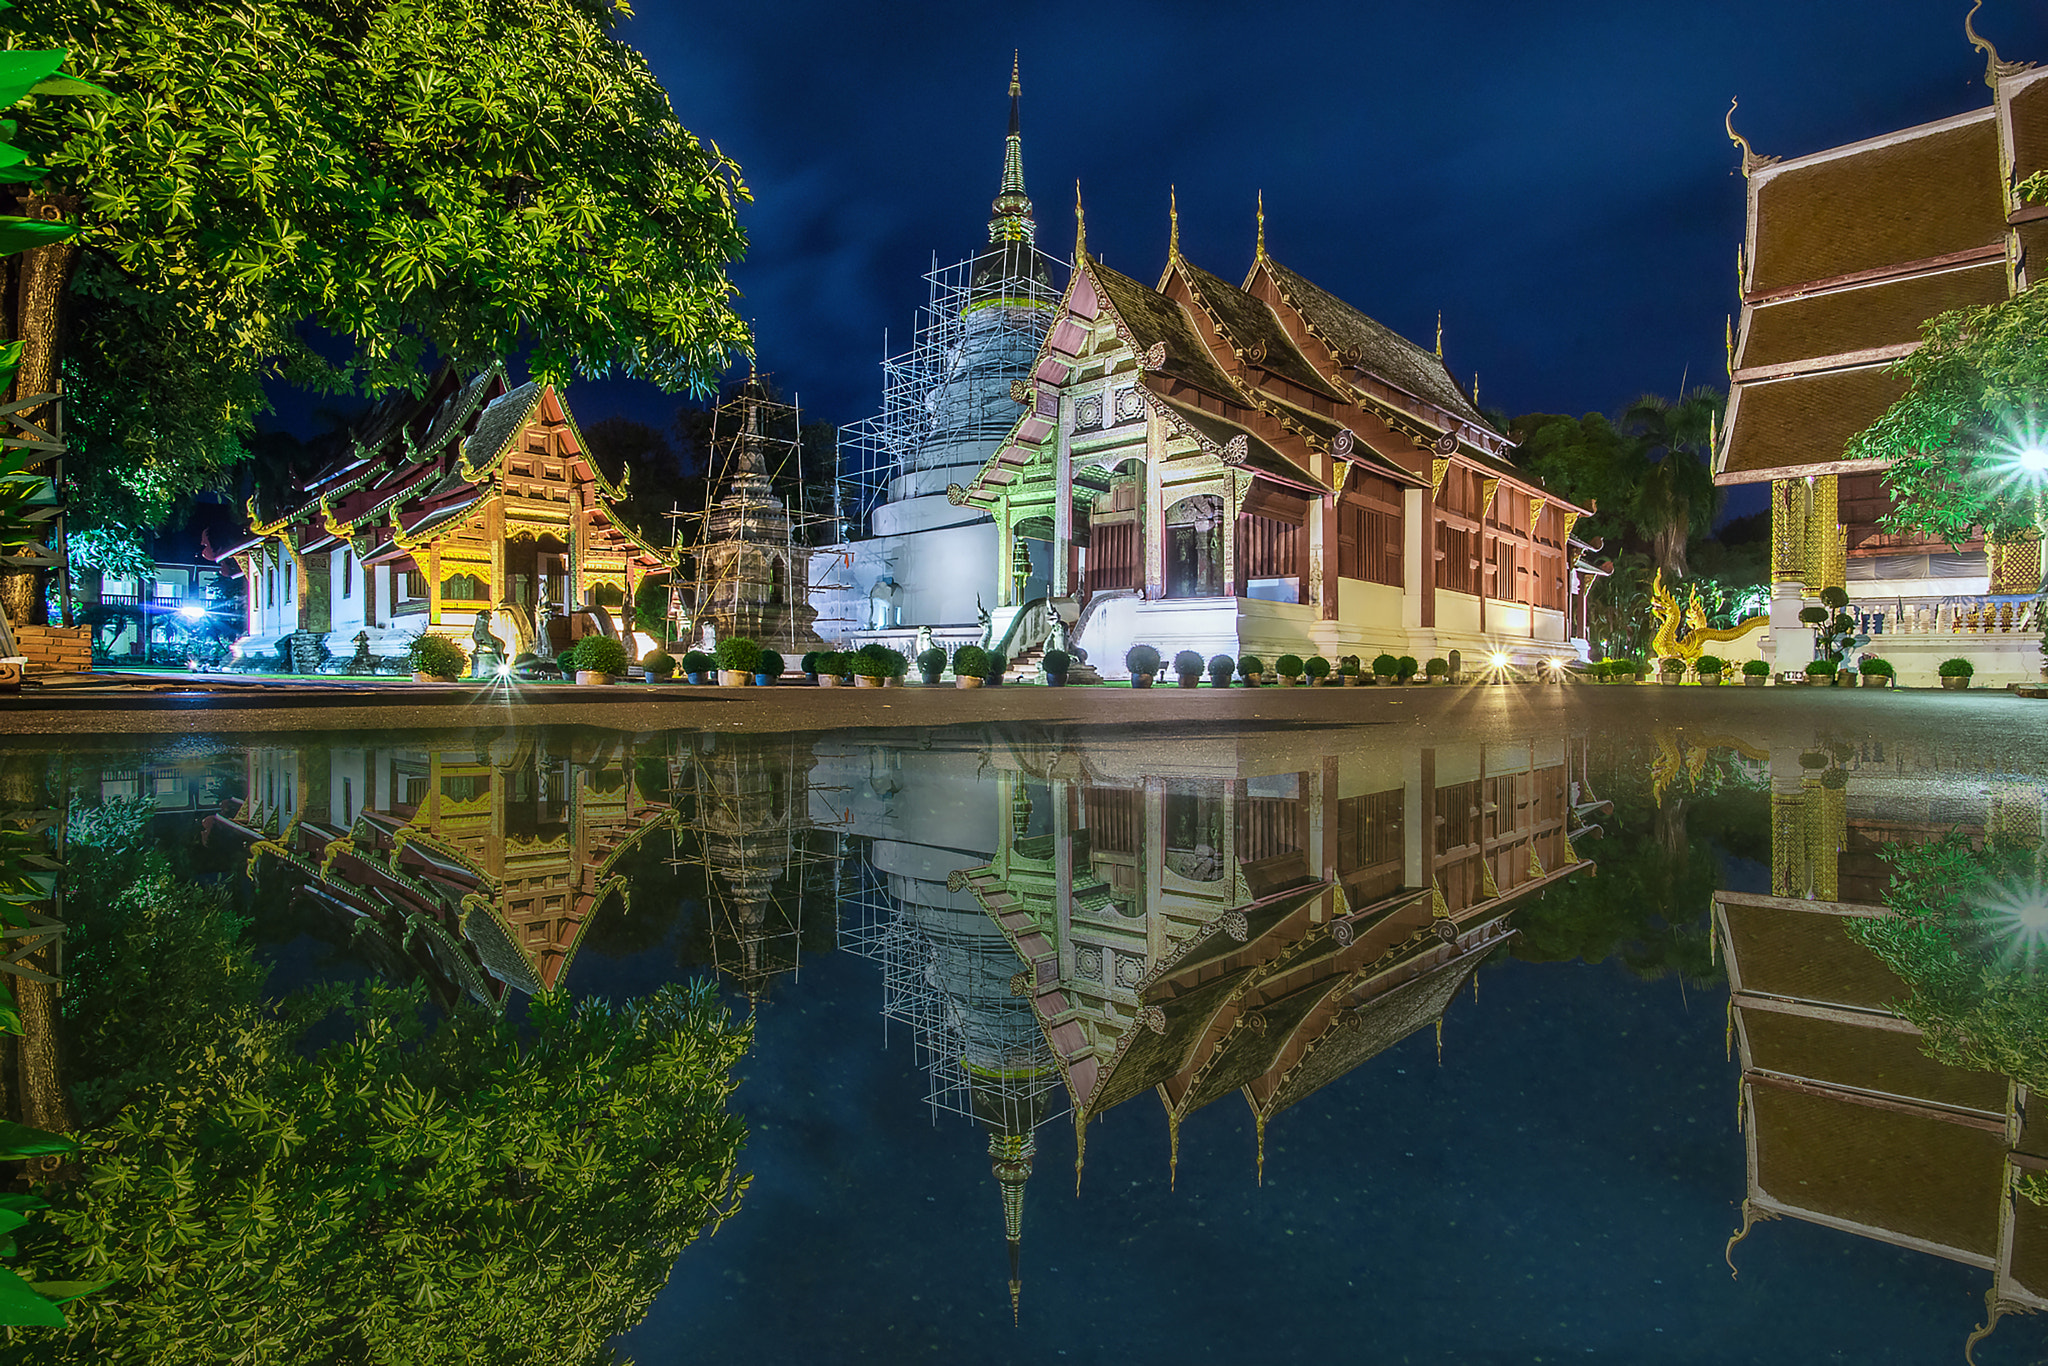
1252 330
1152 318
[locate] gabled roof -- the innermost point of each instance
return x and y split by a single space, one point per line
1252 330
1152 318
1378 349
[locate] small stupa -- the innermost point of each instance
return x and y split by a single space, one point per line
754 570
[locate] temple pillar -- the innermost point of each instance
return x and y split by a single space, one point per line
1006 557
1322 538
1063 503
1155 509
1418 566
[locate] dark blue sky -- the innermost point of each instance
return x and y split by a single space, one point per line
1554 178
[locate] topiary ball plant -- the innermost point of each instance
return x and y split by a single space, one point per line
658 664
1316 667
1221 667
1837 598
1755 668
1406 668
1187 665
436 656
1055 665
1289 666
932 662
1437 668
809 663
600 655
1956 668
1141 659
1813 616
1250 667
1709 664
970 661
697 663
1384 665
768 666
737 654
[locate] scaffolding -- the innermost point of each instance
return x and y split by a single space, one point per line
908 953
978 332
745 575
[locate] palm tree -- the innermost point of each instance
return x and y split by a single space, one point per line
1676 499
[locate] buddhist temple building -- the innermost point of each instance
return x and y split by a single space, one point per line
1847 1122
474 499
480 868
1193 930
911 558
1261 468
1848 251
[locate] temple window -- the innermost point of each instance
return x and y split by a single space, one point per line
1370 532
348 575
1194 834
1194 547
463 588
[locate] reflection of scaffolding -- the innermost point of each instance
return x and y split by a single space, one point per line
978 331
758 853
750 546
946 1030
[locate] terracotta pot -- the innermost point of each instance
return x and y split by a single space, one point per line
1141 680
1287 681
591 678
419 677
1755 680
1955 684
734 678
867 681
1190 680
1710 680
967 682
827 681
1253 680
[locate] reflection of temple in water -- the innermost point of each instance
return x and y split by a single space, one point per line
481 864
1151 926
1847 1122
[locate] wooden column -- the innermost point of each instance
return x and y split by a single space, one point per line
1063 501
1154 521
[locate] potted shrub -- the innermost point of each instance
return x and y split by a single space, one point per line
1437 670
970 665
659 666
435 659
1814 616
1143 662
1845 676
998 668
831 666
1406 667
1956 673
1054 666
1384 669
1289 667
931 664
1709 668
1221 668
1878 673
1187 667
874 664
737 657
1317 668
767 669
1671 671
1251 669
808 665
1821 673
1755 673
697 665
1348 670
599 659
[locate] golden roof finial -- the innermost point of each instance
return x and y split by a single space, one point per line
1080 227
1750 160
1173 224
1015 88
1439 334
1993 66
1262 225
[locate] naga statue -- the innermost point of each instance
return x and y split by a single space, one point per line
1682 630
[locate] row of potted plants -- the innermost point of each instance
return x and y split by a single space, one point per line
1289 670
871 666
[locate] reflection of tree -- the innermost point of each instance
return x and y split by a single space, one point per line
1657 868
338 1177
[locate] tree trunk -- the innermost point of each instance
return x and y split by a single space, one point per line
36 280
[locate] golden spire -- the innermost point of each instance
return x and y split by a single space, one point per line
1080 1147
1080 227
1262 225
1173 224
1010 1160
1015 88
1439 334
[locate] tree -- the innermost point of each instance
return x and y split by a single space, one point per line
324 191
1583 459
1673 500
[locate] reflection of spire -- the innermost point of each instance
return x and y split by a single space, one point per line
1010 1159
1010 215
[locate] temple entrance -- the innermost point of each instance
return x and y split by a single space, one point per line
1035 541
1194 547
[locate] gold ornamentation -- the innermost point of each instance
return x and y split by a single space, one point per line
1020 391
1691 619
956 495
1489 488
1154 357
1437 470
1235 450
1750 160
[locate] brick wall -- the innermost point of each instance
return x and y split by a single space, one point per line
55 649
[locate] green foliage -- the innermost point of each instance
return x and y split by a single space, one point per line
1250 665
658 664
697 662
438 656
1437 667
737 654
1384 665
407 175
650 606
933 660
1878 668
1406 667
1757 668
1316 667
601 655
1977 994
1221 667
1956 668
875 660
1709 664
1139 659
809 663
1821 668
1835 597
1289 666
970 661
770 663
1055 662
1187 664
998 665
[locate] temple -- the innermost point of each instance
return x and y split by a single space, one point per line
912 559
1846 1121
475 505
1848 251
1262 468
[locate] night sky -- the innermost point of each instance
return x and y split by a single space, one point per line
1555 179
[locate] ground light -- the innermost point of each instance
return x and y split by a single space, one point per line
193 612
2022 914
